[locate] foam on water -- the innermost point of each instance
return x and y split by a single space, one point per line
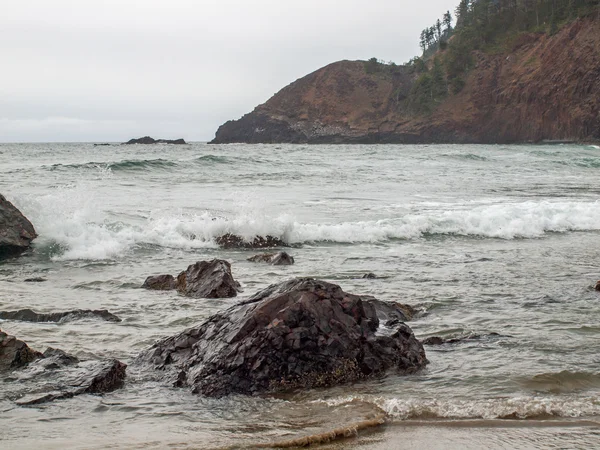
72 219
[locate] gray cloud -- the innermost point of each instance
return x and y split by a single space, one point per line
110 70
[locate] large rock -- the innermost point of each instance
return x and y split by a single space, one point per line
275 259
302 333
208 279
15 353
27 315
229 240
16 231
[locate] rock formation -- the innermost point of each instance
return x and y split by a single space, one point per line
204 279
149 140
27 315
302 333
229 240
543 87
275 259
16 232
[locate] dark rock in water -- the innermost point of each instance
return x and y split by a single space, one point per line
27 315
208 279
149 140
160 282
301 333
16 232
15 353
597 287
55 358
234 241
102 377
35 280
101 145
275 259
391 313
438 340
369 275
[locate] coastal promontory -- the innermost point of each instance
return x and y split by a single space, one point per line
530 85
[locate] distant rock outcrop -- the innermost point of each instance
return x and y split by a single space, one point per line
16 231
540 88
149 140
301 333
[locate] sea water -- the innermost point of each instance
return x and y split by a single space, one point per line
496 244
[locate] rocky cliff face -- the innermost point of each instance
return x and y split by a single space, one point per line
545 87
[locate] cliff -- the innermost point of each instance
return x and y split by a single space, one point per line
542 87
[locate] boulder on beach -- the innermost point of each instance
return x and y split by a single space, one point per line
228 241
27 315
16 231
275 259
15 353
149 140
302 333
204 279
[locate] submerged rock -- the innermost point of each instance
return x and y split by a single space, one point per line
597 287
275 259
208 279
15 353
204 279
16 231
234 241
160 283
369 275
27 315
301 333
438 340
149 140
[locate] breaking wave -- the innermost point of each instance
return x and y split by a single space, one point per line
72 226
125 165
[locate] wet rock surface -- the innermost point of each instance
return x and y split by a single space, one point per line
208 279
27 315
148 140
275 259
301 333
597 287
95 377
204 279
229 240
438 340
15 353
160 282
16 231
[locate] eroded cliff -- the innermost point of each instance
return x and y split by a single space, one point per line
541 88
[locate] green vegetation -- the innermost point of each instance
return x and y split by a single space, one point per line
490 26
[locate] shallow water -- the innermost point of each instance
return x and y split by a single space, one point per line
499 242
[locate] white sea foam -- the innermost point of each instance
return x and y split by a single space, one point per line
72 219
524 407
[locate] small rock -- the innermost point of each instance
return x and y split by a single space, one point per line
369 275
160 282
597 287
15 353
275 259
208 279
35 280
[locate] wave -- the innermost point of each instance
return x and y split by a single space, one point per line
562 382
467 156
589 163
125 165
72 226
525 407
213 159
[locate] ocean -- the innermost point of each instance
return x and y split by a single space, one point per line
495 246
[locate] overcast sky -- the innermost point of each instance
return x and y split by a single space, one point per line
109 70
